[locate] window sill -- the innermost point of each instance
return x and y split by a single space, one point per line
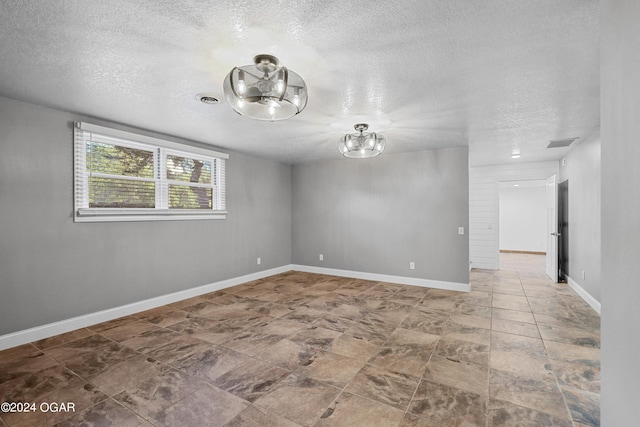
114 214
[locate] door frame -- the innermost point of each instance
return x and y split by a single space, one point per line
552 227
563 231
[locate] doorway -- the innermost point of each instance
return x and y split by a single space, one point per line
522 217
563 231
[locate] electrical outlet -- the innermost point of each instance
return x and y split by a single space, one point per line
321 257
412 265
259 261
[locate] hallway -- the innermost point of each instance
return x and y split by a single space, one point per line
554 336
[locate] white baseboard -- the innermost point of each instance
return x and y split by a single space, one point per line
426 283
45 331
586 296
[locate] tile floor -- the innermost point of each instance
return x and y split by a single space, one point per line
300 349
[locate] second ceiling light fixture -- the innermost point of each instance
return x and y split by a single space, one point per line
363 144
267 91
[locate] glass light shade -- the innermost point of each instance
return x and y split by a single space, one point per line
361 145
265 90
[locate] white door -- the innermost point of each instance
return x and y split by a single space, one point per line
552 228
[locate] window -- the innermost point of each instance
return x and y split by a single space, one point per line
120 176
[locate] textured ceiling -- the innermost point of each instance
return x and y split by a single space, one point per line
491 74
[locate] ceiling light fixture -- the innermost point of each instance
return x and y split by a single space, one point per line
265 90
361 145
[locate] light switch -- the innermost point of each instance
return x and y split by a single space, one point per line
461 230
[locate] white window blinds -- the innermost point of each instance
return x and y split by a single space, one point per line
120 176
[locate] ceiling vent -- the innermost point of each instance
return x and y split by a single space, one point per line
207 98
558 143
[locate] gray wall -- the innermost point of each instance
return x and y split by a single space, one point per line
377 215
53 269
582 169
620 124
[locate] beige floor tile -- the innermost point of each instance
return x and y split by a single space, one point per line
522 364
69 350
20 386
431 322
465 376
540 395
330 368
81 394
24 351
584 406
315 337
99 360
106 413
471 309
470 320
127 330
355 348
371 328
467 333
518 316
151 398
251 380
299 399
511 305
448 405
515 327
255 416
210 405
581 337
463 351
211 363
405 352
352 410
126 374
150 340
573 353
63 338
383 386
510 297
511 288
579 376
411 420
505 414
502 341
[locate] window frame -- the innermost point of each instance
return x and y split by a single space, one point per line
84 132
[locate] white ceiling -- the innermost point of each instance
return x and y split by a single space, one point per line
491 74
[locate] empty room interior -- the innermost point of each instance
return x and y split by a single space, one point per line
412 213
